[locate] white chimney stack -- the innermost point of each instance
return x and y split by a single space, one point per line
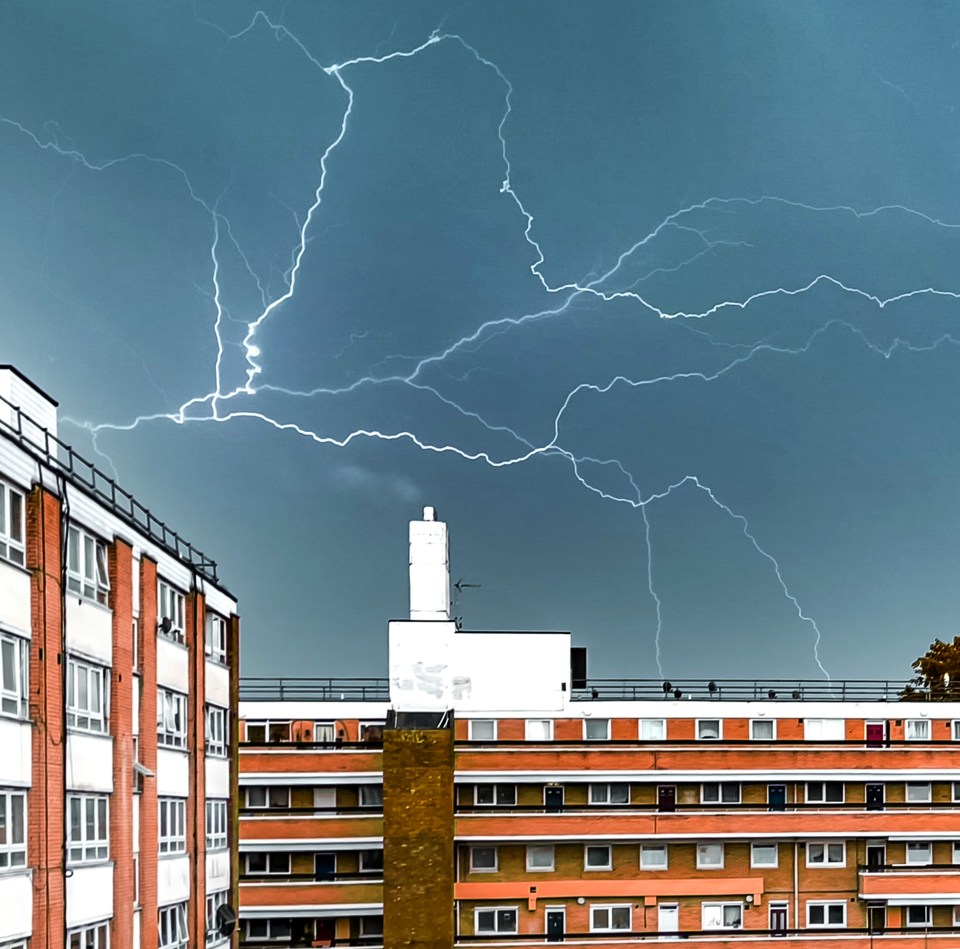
429 568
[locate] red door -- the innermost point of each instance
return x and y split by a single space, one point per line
875 734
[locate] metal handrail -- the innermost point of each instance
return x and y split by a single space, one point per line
779 690
312 688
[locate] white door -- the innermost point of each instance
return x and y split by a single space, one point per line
668 918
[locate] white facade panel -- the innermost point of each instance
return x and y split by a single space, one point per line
89 630
136 822
16 905
17 466
172 665
173 879
135 571
218 871
171 570
89 763
173 773
137 686
136 929
217 777
218 601
216 684
15 753
87 513
89 894
14 598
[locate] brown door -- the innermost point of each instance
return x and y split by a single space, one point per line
778 920
876 918
667 797
875 734
874 797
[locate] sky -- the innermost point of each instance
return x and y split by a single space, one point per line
655 302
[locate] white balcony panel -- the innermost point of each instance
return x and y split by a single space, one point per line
16 905
15 754
172 662
89 630
89 894
173 773
173 880
216 684
89 763
218 777
14 598
137 687
218 871
136 822
136 930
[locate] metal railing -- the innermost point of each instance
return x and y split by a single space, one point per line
312 689
743 690
48 449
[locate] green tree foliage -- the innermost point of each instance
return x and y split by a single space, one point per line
937 676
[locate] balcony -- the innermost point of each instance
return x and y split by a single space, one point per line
934 883
309 824
338 894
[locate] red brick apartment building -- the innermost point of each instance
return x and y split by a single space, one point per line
118 684
474 801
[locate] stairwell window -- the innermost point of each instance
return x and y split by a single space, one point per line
215 638
12 546
88 828
87 574
216 824
171 719
173 824
170 612
917 729
173 927
13 828
87 687
216 731
14 665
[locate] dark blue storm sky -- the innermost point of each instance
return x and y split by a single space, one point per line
656 302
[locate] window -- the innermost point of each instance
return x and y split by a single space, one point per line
826 854
495 919
597 858
726 793
653 857
825 792
721 915
371 795
267 863
540 857
96 936
483 859
260 733
596 729
709 856
13 828
918 916
216 824
371 926
86 696
826 914
956 854
708 729
88 828
371 731
483 729
214 902
763 855
920 853
169 612
261 929
917 729
173 824
171 719
215 637
501 794
918 793
604 919
371 861
823 729
216 731
267 797
14 663
763 729
538 729
173 927
324 733
609 794
653 729
956 731
11 525
87 566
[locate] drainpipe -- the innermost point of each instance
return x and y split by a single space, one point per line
796 884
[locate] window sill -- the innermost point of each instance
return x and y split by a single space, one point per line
15 871
15 717
87 601
21 567
173 642
171 854
182 749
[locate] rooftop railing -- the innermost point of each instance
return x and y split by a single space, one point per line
312 689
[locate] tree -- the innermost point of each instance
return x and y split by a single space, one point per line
937 674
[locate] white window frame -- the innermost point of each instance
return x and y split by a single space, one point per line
602 794
543 849
13 545
475 868
371 926
216 731
472 729
702 864
955 729
652 725
213 902
326 729
587 867
371 795
277 930
701 727
756 846
956 854
826 924
772 722
927 917
268 725
815 792
819 729
217 824
171 719
84 810
93 934
609 908
923 788
83 713
171 825
587 722
269 796
925 861
826 861
706 792
538 729
88 573
215 638
269 858
172 925
649 850
722 906
13 820
171 605
365 861
14 675
495 792
495 929
913 725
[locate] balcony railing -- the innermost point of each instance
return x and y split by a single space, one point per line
312 689
494 810
745 690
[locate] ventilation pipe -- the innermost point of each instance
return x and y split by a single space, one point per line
429 568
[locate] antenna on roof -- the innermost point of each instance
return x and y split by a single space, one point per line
459 587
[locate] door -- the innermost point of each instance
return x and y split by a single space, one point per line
326 932
876 918
876 856
667 797
777 797
778 919
324 866
556 923
874 797
553 797
875 736
668 918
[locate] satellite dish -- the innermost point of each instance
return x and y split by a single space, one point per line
165 624
226 920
